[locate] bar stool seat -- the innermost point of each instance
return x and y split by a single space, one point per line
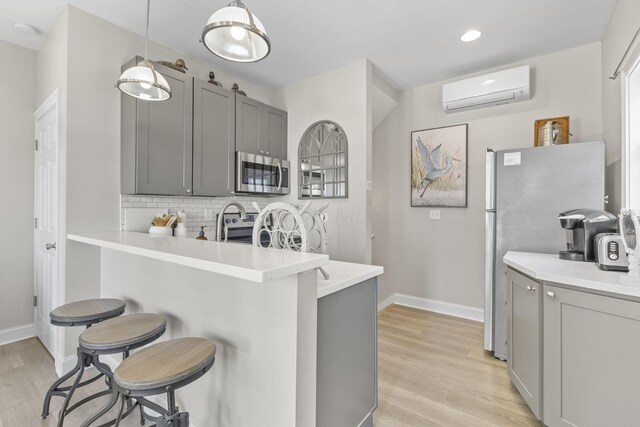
79 313
87 312
168 363
160 368
122 332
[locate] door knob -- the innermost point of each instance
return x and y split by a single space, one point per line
50 246
551 294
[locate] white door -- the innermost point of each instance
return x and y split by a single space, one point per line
46 213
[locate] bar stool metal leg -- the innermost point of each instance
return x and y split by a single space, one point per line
82 362
56 390
114 398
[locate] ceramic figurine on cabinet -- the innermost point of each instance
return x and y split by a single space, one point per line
212 79
235 88
178 66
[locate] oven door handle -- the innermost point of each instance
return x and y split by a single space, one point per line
279 176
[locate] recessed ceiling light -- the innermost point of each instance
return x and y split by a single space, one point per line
24 28
488 82
471 35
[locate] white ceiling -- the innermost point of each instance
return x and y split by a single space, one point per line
410 42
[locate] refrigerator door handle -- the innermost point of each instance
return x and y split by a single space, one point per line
490 180
489 269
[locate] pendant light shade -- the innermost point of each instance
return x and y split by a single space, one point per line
142 81
235 34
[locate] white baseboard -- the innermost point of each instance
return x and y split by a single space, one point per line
17 333
68 363
386 302
451 309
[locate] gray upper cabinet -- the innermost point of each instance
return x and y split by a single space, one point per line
591 353
524 338
275 140
157 139
213 140
260 128
186 145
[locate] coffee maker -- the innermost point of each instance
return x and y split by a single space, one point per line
582 226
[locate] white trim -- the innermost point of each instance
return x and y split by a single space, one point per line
448 308
629 65
386 302
17 333
65 364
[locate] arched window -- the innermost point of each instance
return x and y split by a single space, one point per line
322 162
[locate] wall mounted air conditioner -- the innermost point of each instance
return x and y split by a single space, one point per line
502 87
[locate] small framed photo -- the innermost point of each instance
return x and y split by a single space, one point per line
439 167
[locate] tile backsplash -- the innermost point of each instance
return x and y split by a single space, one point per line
200 210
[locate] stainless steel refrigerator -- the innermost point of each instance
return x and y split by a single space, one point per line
526 190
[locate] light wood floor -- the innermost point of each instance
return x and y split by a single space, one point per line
26 373
432 372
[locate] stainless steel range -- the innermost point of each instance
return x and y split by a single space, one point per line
237 230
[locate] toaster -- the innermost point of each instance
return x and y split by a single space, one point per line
610 253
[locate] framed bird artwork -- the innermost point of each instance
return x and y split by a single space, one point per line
439 167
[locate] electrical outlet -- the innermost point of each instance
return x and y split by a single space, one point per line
369 185
208 214
434 213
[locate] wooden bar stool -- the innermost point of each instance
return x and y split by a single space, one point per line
160 368
80 313
118 335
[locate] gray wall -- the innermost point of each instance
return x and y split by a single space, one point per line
443 259
623 24
17 104
343 96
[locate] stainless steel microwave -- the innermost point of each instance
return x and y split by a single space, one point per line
260 174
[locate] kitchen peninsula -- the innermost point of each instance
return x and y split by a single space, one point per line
261 307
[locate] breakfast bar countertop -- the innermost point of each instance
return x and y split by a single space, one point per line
235 260
343 275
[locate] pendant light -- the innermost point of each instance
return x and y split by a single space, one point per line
235 34
142 81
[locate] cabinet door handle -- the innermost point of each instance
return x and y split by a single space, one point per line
551 294
531 288
188 190
267 153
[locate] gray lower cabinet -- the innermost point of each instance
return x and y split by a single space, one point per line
591 359
156 155
524 338
260 128
213 140
347 380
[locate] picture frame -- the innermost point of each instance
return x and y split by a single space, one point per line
439 167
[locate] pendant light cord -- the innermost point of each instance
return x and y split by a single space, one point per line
146 40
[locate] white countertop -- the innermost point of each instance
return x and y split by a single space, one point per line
587 275
344 274
230 259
